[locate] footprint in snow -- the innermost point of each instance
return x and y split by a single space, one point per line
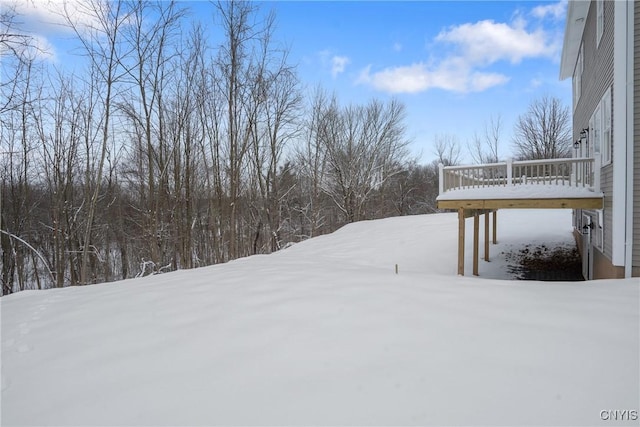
9 343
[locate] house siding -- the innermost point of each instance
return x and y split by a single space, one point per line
596 79
636 138
607 189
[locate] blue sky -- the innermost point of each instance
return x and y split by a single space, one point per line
454 64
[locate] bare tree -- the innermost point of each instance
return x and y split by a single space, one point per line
151 29
311 165
210 111
167 153
243 76
60 151
411 192
234 62
184 136
484 148
18 144
20 84
447 149
276 127
17 54
544 131
365 146
101 43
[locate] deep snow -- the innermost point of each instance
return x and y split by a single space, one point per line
326 333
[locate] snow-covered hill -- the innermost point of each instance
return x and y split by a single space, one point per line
326 333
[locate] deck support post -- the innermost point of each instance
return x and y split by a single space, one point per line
461 241
486 235
495 227
476 237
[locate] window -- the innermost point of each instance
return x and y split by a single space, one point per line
593 135
599 230
600 130
577 78
599 20
606 127
596 139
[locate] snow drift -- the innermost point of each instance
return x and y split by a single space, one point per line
326 333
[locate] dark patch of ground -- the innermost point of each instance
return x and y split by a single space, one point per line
546 264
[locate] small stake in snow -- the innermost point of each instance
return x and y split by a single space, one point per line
396 268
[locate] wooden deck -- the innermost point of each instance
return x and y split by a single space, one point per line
537 203
572 183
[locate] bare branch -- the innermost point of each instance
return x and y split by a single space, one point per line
544 131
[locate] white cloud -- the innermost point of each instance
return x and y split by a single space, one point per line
556 11
483 81
451 75
40 48
29 48
41 20
476 46
50 16
486 42
409 79
338 65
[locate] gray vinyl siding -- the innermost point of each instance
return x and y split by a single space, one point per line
636 136
597 77
607 188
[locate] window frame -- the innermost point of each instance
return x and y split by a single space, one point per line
607 128
599 21
601 130
577 77
599 232
596 132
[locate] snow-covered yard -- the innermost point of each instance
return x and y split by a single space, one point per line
326 333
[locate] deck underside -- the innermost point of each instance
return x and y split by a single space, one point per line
528 203
485 206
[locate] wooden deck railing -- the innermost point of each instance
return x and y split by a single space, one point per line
576 172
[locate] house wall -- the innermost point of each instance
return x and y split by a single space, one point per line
598 66
636 139
603 269
602 266
596 79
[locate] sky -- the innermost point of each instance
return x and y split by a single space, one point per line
454 64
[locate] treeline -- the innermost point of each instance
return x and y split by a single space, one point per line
168 151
